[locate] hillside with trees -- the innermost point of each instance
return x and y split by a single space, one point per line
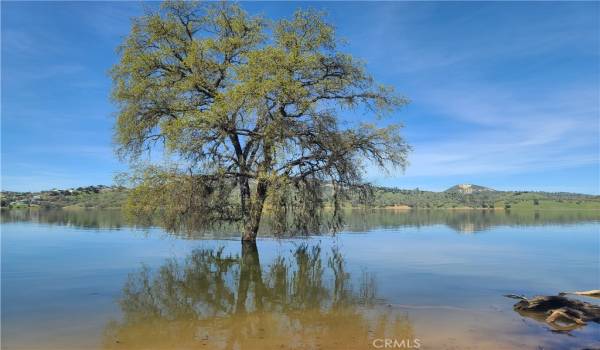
484 199
98 197
103 197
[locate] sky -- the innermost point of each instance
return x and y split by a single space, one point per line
503 94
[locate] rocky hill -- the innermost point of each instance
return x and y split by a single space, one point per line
469 189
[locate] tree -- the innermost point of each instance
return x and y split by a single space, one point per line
247 111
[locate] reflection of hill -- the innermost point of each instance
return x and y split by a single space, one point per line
464 221
105 219
217 301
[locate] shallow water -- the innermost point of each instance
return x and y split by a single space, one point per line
429 280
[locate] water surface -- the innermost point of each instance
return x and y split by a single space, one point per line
434 279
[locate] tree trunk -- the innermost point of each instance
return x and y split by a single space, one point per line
253 215
249 271
244 196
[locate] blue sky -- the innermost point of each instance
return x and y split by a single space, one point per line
504 95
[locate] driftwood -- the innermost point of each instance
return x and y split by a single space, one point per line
595 293
559 312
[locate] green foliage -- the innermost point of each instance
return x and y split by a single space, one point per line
246 105
171 196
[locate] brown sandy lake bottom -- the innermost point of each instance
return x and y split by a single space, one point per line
403 280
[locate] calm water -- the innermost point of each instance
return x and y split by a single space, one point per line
434 279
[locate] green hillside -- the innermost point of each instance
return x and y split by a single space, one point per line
482 197
82 197
456 197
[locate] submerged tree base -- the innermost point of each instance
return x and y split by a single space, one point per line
560 313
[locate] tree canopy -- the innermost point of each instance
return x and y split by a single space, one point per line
249 112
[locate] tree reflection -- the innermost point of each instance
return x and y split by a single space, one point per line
213 300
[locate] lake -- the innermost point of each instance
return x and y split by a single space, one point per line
390 279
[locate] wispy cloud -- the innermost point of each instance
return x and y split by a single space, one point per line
505 98
31 74
86 151
423 48
556 129
18 42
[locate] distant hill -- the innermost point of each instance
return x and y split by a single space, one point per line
463 196
474 196
98 196
469 189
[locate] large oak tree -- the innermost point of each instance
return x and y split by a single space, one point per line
248 111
